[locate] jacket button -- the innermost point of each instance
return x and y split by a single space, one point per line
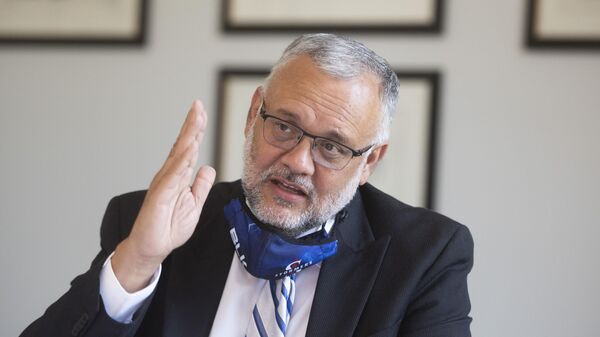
80 324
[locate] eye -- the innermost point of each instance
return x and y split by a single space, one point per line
330 146
282 127
331 149
282 131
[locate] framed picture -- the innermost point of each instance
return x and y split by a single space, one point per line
563 24
73 21
408 170
411 16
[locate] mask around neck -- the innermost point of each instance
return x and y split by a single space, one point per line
265 253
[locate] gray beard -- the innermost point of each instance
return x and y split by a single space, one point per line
320 209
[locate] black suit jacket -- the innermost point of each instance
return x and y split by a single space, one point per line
399 271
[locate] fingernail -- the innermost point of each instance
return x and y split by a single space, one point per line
198 104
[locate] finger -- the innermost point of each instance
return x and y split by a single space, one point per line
188 173
184 181
192 129
193 160
177 174
186 209
202 184
202 120
185 160
187 123
193 126
175 163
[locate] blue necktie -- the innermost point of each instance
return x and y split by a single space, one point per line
272 311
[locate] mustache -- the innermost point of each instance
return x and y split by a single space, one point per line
287 174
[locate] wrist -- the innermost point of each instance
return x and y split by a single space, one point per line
132 270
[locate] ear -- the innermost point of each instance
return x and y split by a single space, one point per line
253 110
374 157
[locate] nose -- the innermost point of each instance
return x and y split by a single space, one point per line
299 158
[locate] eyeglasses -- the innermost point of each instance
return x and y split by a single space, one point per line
325 152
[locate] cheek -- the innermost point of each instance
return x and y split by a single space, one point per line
327 181
330 181
264 155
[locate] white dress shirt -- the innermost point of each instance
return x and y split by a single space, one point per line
235 308
118 303
241 293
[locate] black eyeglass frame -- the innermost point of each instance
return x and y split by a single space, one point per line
355 153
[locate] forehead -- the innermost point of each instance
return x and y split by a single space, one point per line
347 110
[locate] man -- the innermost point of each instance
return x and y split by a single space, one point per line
303 246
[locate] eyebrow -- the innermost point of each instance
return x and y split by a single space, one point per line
331 135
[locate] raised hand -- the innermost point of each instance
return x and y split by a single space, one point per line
170 210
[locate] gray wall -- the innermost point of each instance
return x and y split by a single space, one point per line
519 160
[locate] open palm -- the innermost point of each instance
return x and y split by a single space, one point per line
171 209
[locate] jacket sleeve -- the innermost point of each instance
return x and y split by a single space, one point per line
80 312
440 306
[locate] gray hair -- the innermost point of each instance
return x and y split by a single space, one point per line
344 58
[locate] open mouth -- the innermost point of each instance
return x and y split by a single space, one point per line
292 188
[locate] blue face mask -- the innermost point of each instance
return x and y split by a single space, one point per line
267 255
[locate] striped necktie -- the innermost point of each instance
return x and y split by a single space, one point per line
272 312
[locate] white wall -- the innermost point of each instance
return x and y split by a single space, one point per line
519 158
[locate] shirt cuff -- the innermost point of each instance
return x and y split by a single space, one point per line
118 303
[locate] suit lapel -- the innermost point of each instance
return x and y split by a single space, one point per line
346 279
197 272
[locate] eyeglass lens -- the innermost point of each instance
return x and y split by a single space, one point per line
325 152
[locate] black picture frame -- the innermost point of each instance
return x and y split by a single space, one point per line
435 26
536 40
229 136
137 38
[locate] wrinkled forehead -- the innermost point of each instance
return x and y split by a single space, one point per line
307 94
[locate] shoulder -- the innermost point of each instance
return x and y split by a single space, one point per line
428 258
411 228
126 206
222 192
119 217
